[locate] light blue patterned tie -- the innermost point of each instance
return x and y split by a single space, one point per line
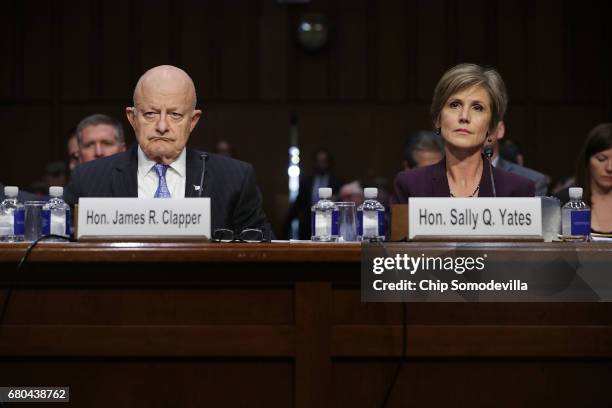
162 187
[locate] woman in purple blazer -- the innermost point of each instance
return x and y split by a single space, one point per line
468 103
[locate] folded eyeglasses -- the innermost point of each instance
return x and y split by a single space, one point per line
247 235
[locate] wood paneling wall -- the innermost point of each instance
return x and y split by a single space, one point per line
360 96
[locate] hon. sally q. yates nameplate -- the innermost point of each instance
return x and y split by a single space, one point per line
144 217
474 217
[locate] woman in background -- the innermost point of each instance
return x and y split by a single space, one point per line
594 175
468 103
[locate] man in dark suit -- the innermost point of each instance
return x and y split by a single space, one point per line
541 180
163 116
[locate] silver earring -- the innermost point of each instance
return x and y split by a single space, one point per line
438 131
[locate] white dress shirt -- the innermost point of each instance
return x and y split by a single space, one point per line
148 180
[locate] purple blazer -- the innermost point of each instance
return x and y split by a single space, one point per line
431 181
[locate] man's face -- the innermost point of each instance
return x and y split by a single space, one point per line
163 119
98 141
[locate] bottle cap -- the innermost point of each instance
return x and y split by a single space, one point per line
575 193
370 192
11 191
325 192
56 191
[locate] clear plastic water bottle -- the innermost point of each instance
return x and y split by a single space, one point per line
324 218
56 214
12 216
371 217
575 217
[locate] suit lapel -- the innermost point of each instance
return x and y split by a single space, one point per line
439 181
486 188
124 182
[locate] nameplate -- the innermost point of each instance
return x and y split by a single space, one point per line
144 217
474 217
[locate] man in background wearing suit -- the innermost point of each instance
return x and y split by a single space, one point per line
541 180
423 148
163 116
99 136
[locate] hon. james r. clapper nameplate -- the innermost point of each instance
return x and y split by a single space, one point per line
144 217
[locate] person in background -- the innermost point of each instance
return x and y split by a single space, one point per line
309 191
423 148
541 180
56 174
510 151
224 148
594 175
72 146
98 136
351 192
468 103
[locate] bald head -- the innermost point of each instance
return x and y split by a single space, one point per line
166 79
164 114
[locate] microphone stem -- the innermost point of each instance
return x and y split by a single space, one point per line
203 157
491 174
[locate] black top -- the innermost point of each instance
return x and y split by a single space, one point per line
431 181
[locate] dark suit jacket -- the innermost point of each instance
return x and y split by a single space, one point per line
236 203
431 181
23 196
541 180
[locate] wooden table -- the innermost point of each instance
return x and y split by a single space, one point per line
280 325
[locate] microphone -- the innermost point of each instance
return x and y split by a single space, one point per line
203 157
488 151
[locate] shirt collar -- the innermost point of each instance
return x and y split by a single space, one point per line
145 165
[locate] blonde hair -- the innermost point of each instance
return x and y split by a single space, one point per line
464 76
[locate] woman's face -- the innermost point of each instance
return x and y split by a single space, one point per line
465 117
601 169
